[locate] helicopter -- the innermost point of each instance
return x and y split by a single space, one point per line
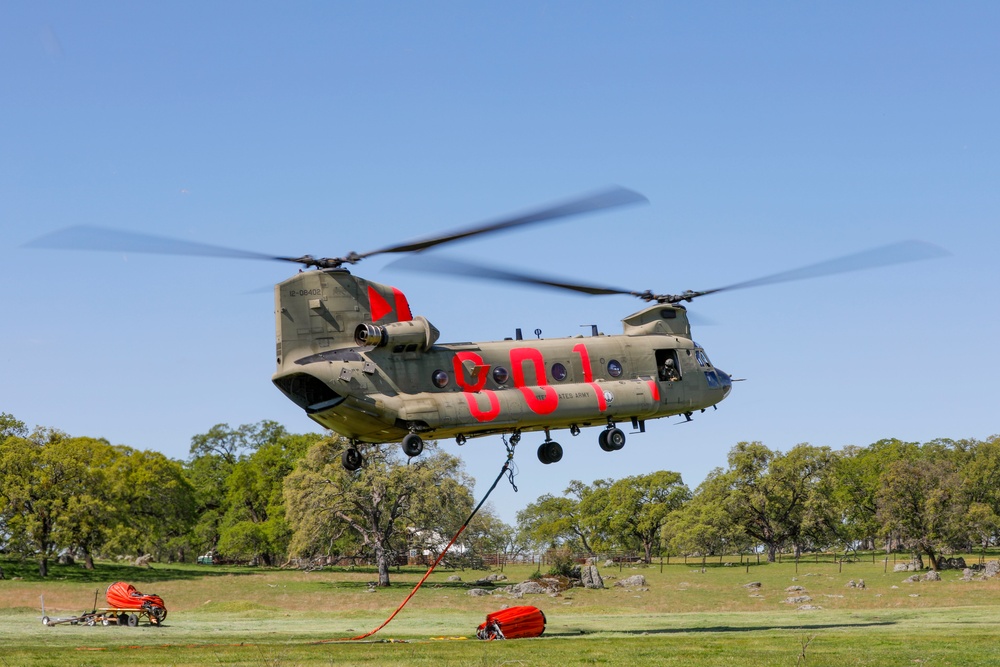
353 356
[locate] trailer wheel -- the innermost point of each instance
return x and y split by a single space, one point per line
122 619
133 620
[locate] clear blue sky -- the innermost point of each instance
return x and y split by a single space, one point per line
765 135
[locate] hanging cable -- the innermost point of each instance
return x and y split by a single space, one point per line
507 468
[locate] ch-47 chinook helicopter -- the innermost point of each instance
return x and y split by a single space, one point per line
352 355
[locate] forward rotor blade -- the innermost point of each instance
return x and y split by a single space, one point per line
441 264
894 253
605 199
84 237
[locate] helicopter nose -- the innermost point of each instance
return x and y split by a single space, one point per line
726 381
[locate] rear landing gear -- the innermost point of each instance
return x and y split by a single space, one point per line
351 458
413 445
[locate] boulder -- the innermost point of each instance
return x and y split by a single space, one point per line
957 563
632 582
798 599
590 577
529 588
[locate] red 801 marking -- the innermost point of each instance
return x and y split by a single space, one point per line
544 405
550 401
588 375
471 391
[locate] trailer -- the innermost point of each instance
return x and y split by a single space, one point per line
127 607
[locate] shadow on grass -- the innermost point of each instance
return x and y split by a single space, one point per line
731 628
104 572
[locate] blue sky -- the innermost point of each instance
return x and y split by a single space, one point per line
765 135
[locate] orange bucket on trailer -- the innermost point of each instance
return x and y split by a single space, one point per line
122 595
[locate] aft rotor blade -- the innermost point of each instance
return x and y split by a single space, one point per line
83 237
605 199
894 253
442 264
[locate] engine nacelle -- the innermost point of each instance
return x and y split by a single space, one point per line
409 336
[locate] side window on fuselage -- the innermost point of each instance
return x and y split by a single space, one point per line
667 368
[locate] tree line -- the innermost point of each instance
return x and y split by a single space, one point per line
257 493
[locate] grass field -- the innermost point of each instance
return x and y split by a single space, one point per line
685 615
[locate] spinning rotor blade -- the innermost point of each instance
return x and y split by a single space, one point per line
83 237
99 238
441 264
610 198
895 253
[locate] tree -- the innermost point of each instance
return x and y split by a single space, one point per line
920 501
238 474
777 498
703 525
38 475
980 474
633 511
155 503
552 521
857 473
377 503
254 525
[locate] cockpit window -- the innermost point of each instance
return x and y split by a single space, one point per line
702 358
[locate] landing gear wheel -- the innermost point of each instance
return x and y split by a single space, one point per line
413 444
602 440
616 439
351 458
550 452
611 440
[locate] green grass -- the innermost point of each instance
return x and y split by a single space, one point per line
688 616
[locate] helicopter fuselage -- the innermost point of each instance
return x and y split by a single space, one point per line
351 354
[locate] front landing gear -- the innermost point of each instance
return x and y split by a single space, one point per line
550 451
612 439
